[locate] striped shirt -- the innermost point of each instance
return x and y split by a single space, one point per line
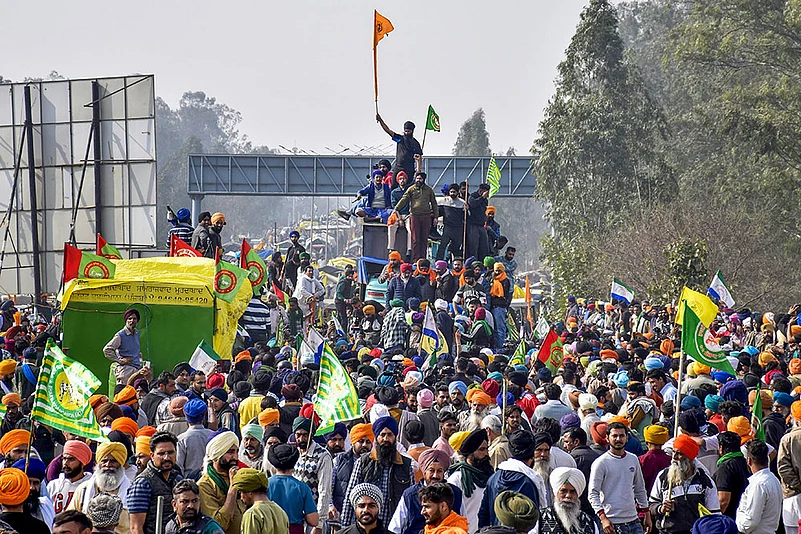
182 231
256 317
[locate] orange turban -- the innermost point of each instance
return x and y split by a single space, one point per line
490 210
243 356
127 395
742 427
608 353
14 486
12 398
795 330
97 400
620 419
125 425
7 367
701 369
765 358
666 347
795 410
146 431
395 255
360 431
268 416
686 445
13 439
794 366
143 445
479 397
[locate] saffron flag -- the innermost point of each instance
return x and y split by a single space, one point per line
381 27
699 343
718 290
62 395
228 279
432 121
180 248
252 262
551 352
493 176
621 291
106 250
204 358
78 264
336 398
704 308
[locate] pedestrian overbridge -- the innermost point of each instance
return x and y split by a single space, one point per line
294 175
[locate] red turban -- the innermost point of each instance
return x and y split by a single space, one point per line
686 445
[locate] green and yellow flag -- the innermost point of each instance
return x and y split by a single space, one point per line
493 177
699 343
78 264
519 355
62 395
337 399
106 250
704 308
432 121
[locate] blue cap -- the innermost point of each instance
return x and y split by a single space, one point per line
690 401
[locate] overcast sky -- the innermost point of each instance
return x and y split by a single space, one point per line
300 71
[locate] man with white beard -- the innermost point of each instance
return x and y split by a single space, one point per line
565 516
680 488
542 457
109 478
470 420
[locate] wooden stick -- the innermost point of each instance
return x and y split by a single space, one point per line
464 226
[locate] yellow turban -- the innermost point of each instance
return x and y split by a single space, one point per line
655 434
369 309
7 367
765 358
269 416
701 369
12 440
115 449
127 395
740 426
248 479
14 486
363 430
12 398
143 445
457 438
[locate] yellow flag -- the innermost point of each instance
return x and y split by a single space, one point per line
381 27
704 308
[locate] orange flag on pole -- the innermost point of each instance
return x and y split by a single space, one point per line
381 27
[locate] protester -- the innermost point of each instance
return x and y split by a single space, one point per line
157 480
76 456
760 508
108 479
367 501
218 498
188 518
262 514
440 517
293 496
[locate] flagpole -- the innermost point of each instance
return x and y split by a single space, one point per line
677 401
464 226
425 131
503 409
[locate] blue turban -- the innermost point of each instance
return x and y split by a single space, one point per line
385 422
722 377
621 379
36 468
751 350
184 215
386 379
339 430
666 362
570 420
715 524
294 232
379 363
128 412
783 399
520 367
377 173
495 375
195 409
690 401
457 385
712 402
653 363
544 374
510 399
418 361
414 303
735 390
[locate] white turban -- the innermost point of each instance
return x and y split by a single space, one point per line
587 401
219 445
571 475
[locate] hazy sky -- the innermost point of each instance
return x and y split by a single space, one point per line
300 71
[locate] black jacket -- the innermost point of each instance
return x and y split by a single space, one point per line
477 214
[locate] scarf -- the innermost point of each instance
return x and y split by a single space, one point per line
452 524
729 456
217 478
497 287
471 477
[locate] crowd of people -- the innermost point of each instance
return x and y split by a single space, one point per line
625 435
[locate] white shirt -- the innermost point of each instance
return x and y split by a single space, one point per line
760 507
62 489
471 506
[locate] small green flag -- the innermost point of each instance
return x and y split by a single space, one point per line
228 279
512 332
542 328
493 176
62 395
756 415
337 399
519 355
432 122
204 358
699 343
250 260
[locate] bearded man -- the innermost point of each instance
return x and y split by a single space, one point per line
361 441
75 457
218 497
109 478
542 457
367 500
676 511
565 516
385 467
37 505
479 401
471 474
251 450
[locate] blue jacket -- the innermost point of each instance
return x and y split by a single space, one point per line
396 290
415 523
503 480
369 192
